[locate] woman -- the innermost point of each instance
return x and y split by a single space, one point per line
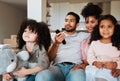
91 13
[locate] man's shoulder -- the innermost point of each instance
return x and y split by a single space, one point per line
83 35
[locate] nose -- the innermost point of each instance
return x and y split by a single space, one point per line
106 28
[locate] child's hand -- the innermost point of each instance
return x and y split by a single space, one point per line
7 76
21 72
98 64
115 72
110 65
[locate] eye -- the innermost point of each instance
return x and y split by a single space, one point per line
66 20
12 60
101 26
109 26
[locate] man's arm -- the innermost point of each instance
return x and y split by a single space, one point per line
54 48
52 51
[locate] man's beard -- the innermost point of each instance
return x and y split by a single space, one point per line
71 30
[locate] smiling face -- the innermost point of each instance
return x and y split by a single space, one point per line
90 22
29 35
106 29
70 23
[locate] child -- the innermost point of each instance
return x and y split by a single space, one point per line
104 52
35 38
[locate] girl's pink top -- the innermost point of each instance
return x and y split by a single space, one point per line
103 53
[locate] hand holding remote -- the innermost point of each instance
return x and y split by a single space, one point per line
57 31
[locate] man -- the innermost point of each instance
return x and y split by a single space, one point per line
65 56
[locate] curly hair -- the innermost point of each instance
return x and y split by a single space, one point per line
116 35
44 35
42 30
91 10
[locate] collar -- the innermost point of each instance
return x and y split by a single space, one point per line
75 34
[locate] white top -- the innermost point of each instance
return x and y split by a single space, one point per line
103 52
70 52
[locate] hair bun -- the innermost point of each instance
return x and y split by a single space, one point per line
91 10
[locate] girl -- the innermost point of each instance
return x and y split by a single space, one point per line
91 13
35 38
104 51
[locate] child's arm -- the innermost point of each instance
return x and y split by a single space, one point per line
23 71
98 64
110 65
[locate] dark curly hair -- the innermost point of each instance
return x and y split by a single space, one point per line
116 35
91 10
44 38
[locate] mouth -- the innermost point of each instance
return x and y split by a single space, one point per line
67 26
90 29
26 36
105 33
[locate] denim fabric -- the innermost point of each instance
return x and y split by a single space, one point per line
51 74
61 72
31 78
77 75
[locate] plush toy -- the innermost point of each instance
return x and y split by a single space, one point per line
10 62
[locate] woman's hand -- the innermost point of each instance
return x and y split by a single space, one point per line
79 66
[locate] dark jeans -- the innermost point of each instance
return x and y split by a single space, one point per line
31 78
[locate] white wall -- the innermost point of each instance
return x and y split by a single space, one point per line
58 12
115 9
10 20
36 9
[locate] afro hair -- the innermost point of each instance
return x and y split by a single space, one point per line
91 10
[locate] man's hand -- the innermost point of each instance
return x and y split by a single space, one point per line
59 37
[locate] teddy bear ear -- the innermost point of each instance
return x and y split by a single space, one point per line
5 46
